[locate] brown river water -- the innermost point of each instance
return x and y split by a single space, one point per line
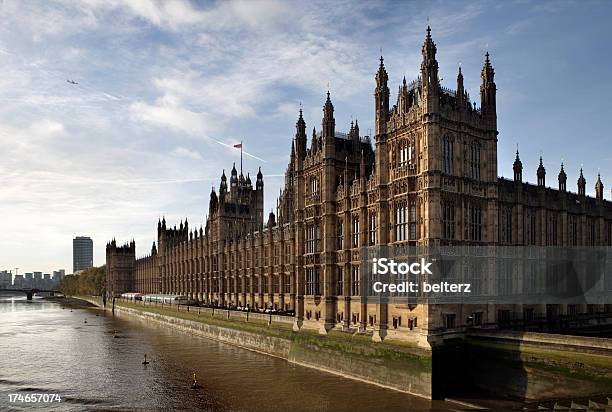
48 349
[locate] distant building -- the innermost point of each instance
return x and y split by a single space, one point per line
18 283
28 279
6 279
82 253
38 280
58 275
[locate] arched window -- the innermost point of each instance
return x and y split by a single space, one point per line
314 185
401 221
406 153
413 220
475 222
447 155
355 231
372 228
475 160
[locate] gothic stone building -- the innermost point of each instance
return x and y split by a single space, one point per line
431 179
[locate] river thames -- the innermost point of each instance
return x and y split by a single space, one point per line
49 349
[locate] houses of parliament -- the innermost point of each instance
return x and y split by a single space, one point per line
428 176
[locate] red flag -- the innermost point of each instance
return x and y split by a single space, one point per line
238 146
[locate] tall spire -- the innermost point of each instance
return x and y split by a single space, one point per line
460 89
328 123
429 73
381 99
488 89
429 64
381 75
300 135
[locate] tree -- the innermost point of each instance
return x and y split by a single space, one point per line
89 282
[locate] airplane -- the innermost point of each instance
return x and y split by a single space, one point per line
71 82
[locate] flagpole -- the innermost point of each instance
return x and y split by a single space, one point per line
241 157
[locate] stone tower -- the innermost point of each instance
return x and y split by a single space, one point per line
120 267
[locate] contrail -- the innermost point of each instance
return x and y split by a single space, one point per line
232 147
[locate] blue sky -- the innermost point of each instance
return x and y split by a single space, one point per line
165 85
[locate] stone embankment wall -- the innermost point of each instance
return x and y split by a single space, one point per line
525 365
406 370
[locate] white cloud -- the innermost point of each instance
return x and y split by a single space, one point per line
184 152
167 113
47 128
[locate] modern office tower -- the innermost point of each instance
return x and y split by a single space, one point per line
82 253
6 279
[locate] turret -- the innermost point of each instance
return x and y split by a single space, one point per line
518 168
271 220
599 188
488 90
213 203
562 179
356 135
541 174
223 185
329 123
381 99
234 178
581 184
461 91
259 183
313 143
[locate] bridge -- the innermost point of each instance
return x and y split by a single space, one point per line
30 292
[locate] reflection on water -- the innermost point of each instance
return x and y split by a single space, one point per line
46 348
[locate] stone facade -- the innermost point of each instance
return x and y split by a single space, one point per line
431 179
